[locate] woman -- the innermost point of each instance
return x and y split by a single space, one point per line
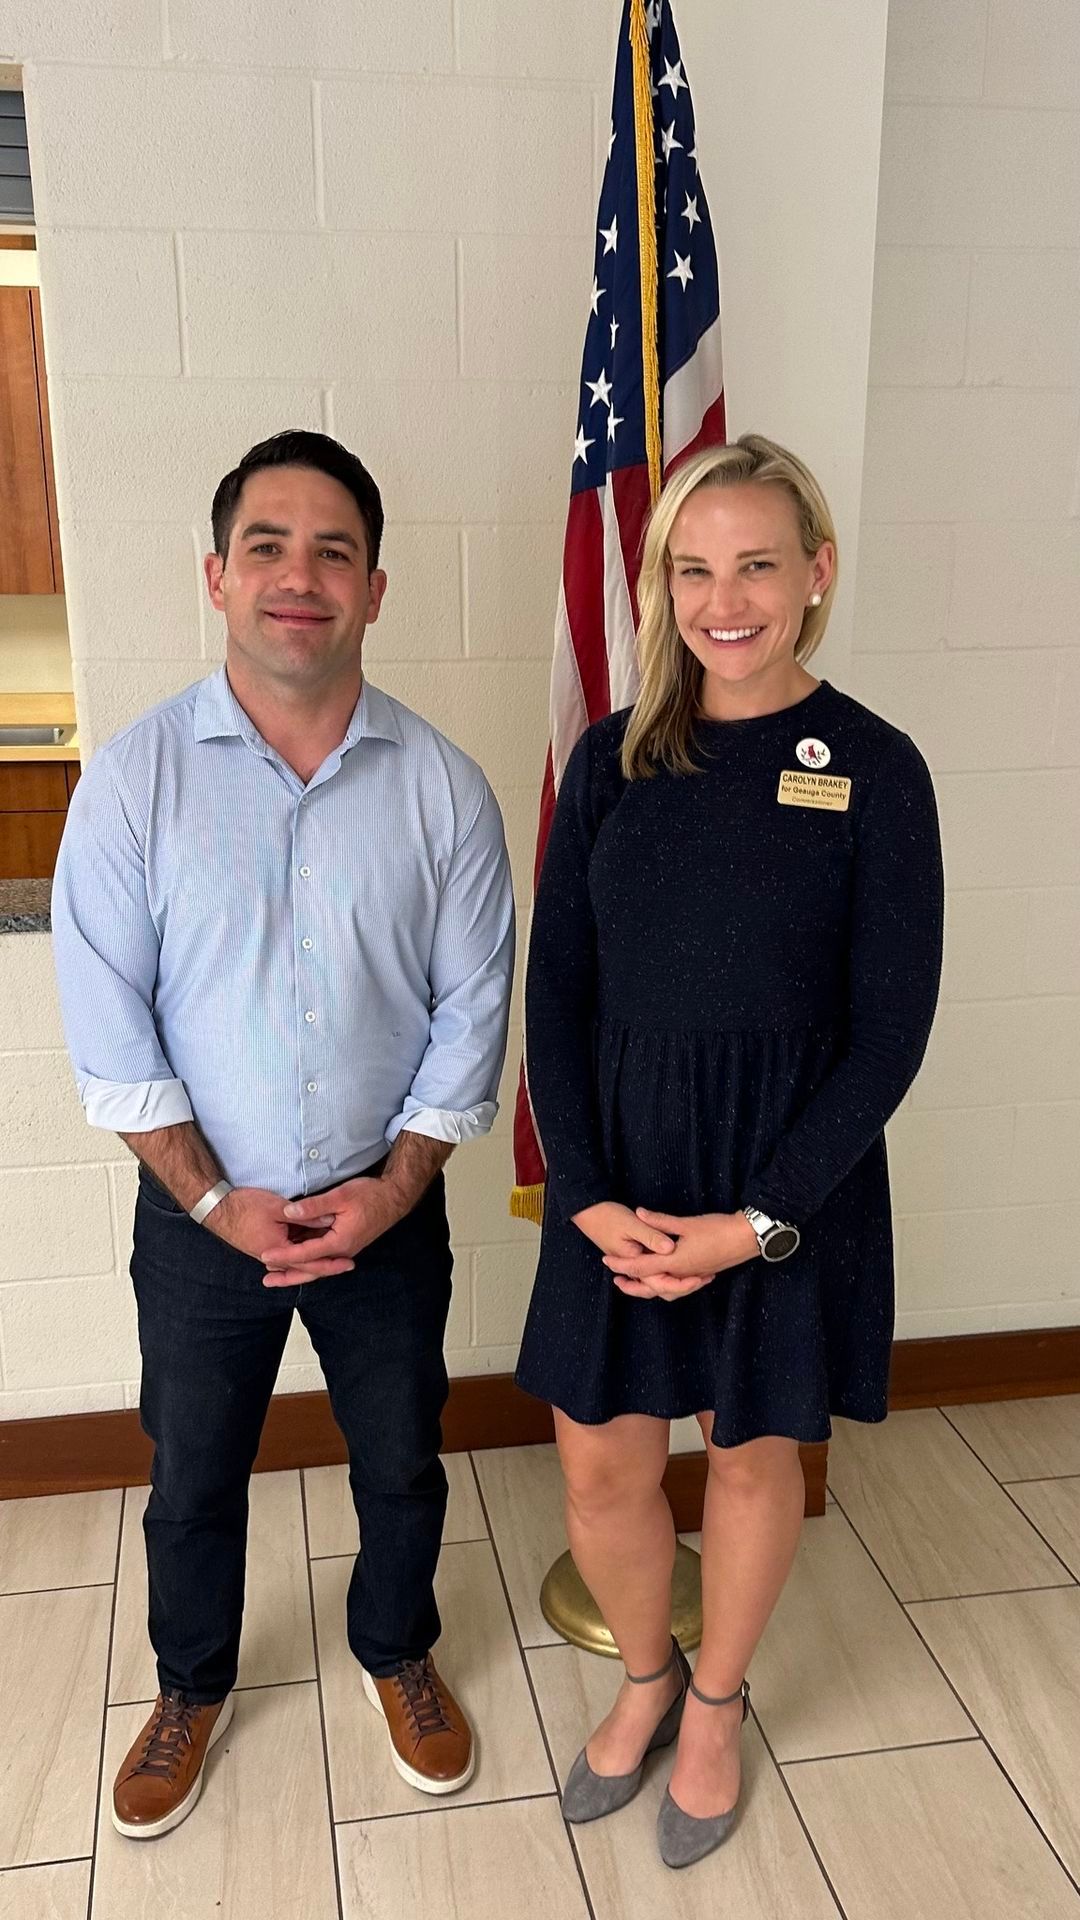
732 975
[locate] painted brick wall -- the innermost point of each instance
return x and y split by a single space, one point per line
967 632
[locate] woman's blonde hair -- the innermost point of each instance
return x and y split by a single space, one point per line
661 726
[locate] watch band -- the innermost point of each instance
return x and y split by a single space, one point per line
209 1201
777 1239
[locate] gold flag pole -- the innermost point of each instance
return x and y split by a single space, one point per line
565 1601
645 156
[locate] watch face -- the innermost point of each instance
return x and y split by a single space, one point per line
780 1242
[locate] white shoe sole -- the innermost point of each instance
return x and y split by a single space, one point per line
187 1804
418 1780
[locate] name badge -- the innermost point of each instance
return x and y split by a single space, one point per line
825 791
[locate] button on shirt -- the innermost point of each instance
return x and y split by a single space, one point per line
303 971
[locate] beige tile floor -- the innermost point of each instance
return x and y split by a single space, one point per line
913 1754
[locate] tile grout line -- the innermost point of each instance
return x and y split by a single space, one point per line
567 1829
1015 1503
991 1750
455 1807
867 1753
251 1686
319 1696
1039 1828
1002 1769
316 1559
31 1866
906 1610
77 1586
105 1707
797 1811
1053 1586
946 1415
1035 1479
990 1593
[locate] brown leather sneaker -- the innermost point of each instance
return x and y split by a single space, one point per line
162 1776
431 1742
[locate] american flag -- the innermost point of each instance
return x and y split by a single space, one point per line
651 393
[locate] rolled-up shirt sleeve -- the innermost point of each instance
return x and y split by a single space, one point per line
452 1096
106 949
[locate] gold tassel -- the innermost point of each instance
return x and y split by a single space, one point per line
645 138
527 1203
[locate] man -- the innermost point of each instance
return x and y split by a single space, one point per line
284 936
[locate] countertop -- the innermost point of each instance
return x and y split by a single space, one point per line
39 709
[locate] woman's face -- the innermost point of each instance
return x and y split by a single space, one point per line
740 581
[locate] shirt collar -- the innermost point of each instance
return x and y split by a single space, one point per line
218 713
374 717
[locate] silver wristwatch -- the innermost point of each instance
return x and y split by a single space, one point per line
776 1239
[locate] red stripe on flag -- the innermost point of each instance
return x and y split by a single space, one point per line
630 491
711 433
529 1169
583 588
547 811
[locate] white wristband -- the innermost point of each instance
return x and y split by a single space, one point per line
209 1201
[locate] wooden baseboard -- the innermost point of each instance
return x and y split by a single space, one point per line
985 1366
80 1453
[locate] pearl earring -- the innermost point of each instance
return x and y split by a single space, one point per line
815 599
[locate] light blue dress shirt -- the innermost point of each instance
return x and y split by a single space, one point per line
301 970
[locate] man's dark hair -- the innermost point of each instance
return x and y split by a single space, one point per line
299 448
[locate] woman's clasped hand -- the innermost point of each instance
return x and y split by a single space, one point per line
663 1256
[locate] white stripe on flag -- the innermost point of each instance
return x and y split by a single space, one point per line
618 612
569 714
690 393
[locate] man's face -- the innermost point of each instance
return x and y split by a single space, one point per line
295 587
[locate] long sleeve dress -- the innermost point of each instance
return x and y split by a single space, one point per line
732 978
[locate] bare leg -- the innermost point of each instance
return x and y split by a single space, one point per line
754 1503
622 1538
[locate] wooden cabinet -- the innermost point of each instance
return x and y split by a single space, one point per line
34 797
29 542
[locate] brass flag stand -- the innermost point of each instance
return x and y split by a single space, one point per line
568 1606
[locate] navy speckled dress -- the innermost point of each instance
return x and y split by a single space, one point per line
727 997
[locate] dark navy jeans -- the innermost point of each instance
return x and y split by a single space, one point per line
212 1337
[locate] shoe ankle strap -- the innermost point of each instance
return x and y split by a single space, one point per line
643 1679
742 1692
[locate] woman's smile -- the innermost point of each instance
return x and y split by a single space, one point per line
732 636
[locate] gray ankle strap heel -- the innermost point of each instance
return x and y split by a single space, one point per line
588 1795
683 1839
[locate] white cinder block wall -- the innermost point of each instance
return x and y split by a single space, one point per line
967 632
377 220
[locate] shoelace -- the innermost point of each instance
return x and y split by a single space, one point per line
421 1690
169 1734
